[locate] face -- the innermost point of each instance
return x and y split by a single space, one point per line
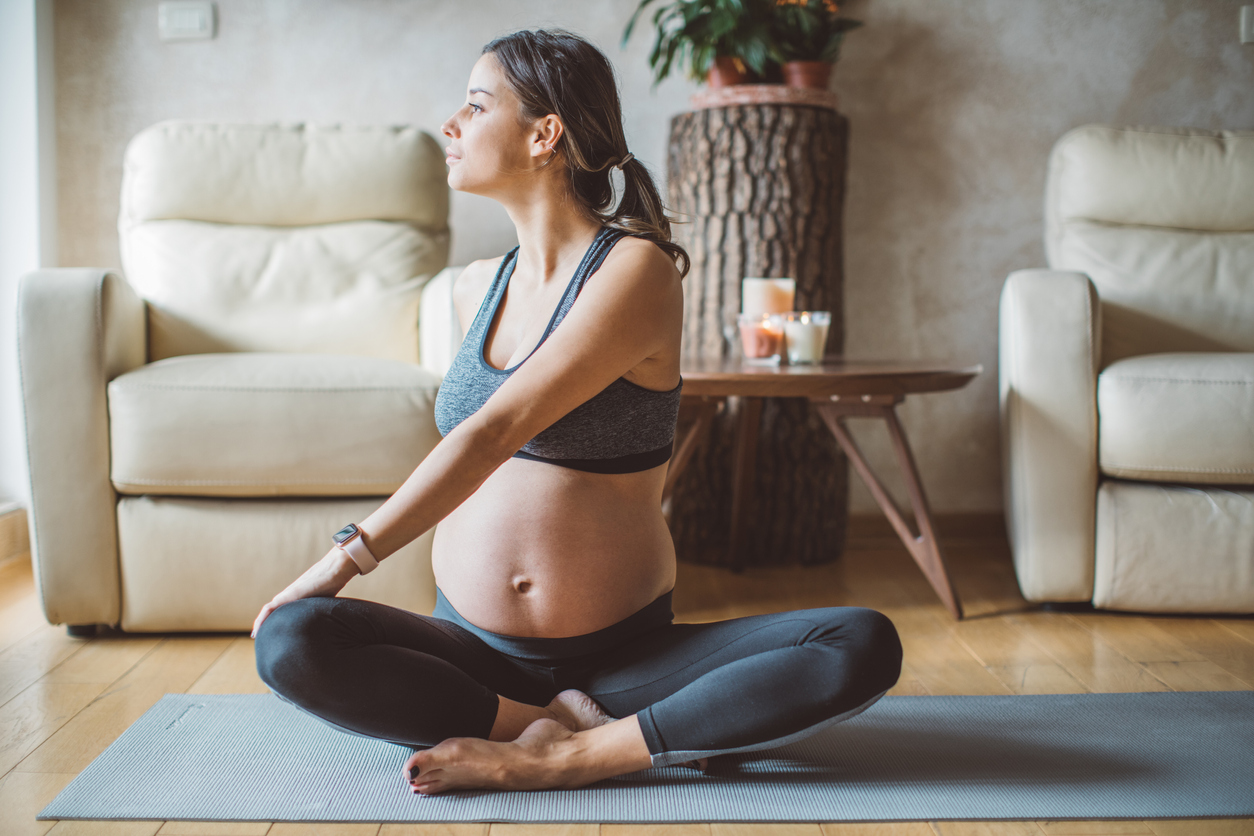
488 147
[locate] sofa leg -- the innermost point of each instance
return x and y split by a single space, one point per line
81 631
1068 606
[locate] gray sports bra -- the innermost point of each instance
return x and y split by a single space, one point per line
624 428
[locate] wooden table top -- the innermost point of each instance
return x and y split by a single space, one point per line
835 376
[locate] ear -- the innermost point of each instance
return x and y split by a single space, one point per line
547 130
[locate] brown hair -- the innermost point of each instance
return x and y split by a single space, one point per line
555 71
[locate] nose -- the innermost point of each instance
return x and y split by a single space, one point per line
447 127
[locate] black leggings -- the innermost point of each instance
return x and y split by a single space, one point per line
697 689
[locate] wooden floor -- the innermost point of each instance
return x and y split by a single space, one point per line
62 700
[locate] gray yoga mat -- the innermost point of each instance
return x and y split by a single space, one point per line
1089 756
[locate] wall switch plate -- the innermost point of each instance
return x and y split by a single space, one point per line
184 20
1247 24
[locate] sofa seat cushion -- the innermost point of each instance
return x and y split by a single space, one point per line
1178 418
248 425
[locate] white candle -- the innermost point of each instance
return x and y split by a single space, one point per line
805 334
767 296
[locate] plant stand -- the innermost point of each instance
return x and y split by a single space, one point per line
760 187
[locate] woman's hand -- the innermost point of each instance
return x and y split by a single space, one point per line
322 580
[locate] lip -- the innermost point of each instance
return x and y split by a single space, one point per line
448 158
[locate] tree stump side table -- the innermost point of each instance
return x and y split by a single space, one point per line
759 191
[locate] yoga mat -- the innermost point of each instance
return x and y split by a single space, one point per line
1088 756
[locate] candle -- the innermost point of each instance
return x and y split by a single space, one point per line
767 296
761 337
805 334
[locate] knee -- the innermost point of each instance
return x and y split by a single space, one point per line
871 641
287 641
881 647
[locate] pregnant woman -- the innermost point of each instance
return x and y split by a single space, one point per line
552 659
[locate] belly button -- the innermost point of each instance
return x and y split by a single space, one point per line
522 586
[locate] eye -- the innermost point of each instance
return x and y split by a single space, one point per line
475 106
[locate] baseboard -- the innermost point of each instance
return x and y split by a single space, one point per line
963 526
14 536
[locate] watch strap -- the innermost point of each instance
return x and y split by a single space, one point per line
361 555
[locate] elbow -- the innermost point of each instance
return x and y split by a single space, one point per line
494 438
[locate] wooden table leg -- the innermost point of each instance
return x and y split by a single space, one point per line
748 423
923 546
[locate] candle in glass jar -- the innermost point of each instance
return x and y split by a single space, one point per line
761 337
805 335
767 296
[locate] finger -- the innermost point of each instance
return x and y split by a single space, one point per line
261 616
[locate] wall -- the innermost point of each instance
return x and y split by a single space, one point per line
27 202
954 105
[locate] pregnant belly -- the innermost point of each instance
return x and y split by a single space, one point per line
541 550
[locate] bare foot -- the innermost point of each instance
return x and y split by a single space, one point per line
531 762
577 711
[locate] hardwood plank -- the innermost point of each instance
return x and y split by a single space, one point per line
35 715
763 829
996 644
941 663
1202 827
1214 642
213 828
235 672
1097 665
170 668
20 612
322 829
905 828
33 656
23 795
434 829
986 828
655 830
544 830
104 660
1243 627
1203 675
1095 828
1136 638
1038 679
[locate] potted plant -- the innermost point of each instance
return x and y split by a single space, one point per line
721 41
806 36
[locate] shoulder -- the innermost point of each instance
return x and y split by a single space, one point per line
641 264
472 285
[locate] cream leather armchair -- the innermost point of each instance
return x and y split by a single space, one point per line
200 424
1127 376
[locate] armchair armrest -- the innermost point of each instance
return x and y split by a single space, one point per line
439 332
1050 334
77 330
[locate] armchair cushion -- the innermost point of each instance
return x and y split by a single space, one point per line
1162 221
270 425
283 237
1178 418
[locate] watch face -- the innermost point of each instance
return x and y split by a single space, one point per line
344 533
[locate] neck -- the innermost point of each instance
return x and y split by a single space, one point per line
552 235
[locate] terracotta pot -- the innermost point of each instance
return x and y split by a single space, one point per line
815 75
726 71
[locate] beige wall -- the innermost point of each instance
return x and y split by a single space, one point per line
954 105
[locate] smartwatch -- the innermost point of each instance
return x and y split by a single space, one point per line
349 539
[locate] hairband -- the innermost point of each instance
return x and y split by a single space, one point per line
624 161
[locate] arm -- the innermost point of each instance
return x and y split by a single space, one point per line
77 330
1049 351
631 310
